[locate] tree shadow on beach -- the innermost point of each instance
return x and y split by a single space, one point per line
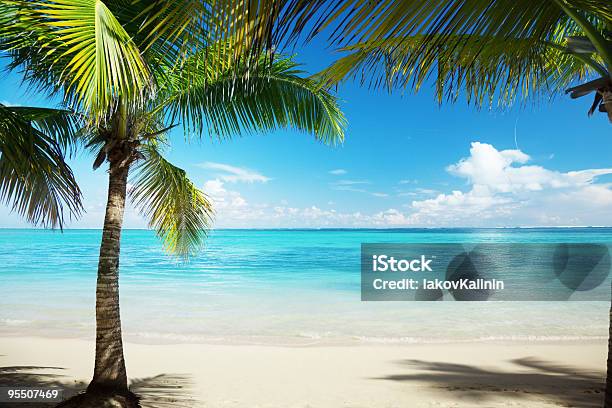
37 376
161 391
534 378
164 391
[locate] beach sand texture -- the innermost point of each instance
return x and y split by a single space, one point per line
536 375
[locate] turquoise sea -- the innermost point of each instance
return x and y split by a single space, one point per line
294 287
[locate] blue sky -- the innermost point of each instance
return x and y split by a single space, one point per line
405 162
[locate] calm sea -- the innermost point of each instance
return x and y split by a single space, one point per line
294 287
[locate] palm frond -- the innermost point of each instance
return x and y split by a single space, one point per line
163 30
79 48
35 181
274 96
492 49
485 68
62 125
246 26
168 24
179 212
357 21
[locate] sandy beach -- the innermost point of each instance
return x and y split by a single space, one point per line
533 375
305 204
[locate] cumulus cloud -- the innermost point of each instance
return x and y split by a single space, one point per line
389 218
233 174
222 198
495 170
506 191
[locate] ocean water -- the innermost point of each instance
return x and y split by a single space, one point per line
283 287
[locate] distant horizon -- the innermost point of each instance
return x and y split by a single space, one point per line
332 228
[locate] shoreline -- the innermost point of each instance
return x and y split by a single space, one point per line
308 342
535 375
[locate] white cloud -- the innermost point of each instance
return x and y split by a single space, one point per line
503 189
356 186
222 198
493 169
231 208
233 174
417 192
350 182
234 211
338 172
390 218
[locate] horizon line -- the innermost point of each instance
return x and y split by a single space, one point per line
328 228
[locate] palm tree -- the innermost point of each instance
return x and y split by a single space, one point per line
132 71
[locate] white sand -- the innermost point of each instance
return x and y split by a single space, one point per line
465 375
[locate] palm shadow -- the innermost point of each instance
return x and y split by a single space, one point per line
164 391
160 391
37 377
534 378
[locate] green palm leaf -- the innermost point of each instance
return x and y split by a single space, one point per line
358 21
78 47
61 125
163 30
273 96
483 67
179 212
95 52
492 49
35 181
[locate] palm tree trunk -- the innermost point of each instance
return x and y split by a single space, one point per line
109 371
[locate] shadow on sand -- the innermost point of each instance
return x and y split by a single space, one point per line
161 391
532 379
